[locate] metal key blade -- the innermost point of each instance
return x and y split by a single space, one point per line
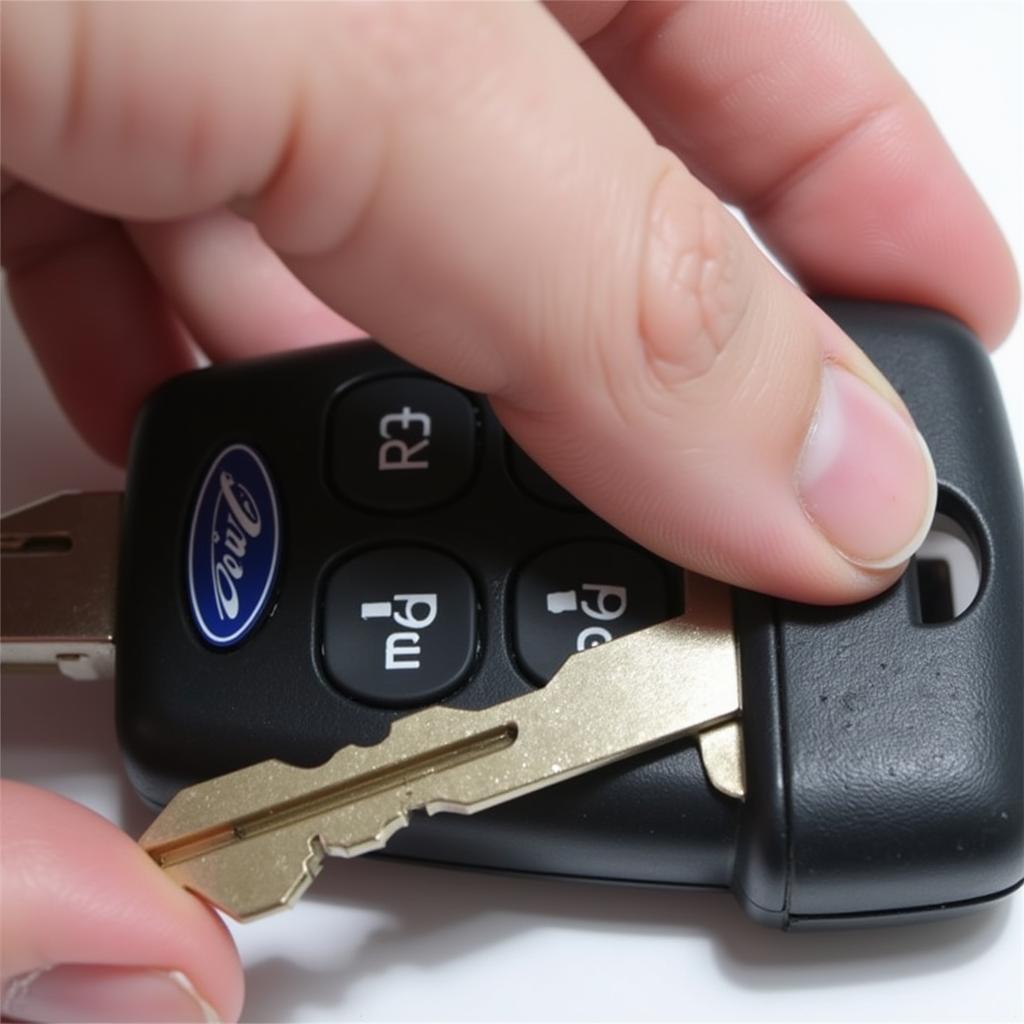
252 841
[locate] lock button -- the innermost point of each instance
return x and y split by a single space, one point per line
399 626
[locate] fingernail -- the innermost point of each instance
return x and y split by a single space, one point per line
865 477
93 992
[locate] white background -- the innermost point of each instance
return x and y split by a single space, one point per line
379 941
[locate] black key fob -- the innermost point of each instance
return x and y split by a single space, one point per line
317 543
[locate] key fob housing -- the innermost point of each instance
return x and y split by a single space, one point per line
884 753
888 782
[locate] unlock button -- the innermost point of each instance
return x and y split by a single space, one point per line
399 626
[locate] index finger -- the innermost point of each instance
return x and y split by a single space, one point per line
794 113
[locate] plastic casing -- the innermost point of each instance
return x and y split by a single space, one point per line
883 755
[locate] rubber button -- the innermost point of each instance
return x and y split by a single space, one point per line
401 443
399 626
535 482
580 595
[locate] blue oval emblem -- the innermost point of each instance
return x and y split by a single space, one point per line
232 546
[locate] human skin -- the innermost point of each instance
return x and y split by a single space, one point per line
529 210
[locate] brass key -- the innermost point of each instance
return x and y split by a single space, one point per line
252 841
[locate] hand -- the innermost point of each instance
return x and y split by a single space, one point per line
465 185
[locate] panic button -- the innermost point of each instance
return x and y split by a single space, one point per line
401 443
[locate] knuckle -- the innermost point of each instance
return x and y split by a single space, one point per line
354 128
658 323
672 336
694 286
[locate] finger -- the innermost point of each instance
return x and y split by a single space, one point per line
93 931
231 290
112 338
100 327
509 224
794 113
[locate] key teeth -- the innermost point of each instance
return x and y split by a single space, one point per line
380 839
235 883
312 865
396 824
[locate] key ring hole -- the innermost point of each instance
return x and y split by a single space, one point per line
947 571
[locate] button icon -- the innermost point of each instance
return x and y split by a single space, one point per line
397 453
399 626
610 603
401 650
561 605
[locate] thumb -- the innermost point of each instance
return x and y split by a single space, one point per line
93 931
735 429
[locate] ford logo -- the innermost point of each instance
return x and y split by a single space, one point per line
233 546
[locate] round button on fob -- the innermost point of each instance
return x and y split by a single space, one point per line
399 626
580 595
532 479
401 443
